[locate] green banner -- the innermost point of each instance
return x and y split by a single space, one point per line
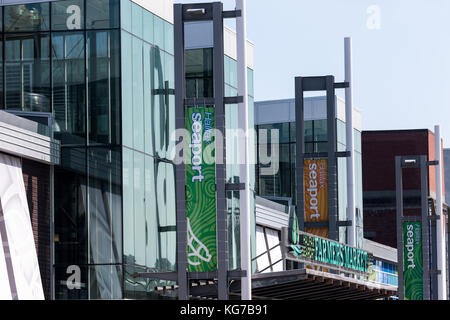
412 260
201 191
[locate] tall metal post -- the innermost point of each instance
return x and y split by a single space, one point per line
351 209
399 206
180 169
300 147
425 226
332 160
245 210
219 91
440 237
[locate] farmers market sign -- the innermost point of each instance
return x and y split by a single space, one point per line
310 248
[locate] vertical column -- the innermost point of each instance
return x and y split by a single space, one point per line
440 237
300 147
351 209
245 211
222 228
399 209
180 170
425 227
332 167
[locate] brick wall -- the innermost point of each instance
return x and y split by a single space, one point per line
37 185
379 149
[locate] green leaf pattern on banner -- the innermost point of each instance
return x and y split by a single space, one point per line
412 261
201 195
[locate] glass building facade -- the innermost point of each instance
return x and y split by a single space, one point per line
278 182
101 70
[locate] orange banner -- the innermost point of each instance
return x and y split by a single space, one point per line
316 195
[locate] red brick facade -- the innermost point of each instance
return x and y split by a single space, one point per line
37 185
379 149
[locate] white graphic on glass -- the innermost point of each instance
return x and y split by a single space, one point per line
196 252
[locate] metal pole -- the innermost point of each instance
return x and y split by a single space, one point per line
351 213
183 288
425 227
399 209
221 176
245 210
332 162
441 250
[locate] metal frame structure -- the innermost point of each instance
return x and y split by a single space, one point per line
189 13
421 162
305 84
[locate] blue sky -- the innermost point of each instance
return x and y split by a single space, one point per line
401 67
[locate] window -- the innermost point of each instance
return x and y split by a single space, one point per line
102 14
27 17
199 73
103 87
69 92
68 15
27 64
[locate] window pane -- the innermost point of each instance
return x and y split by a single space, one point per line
138 95
136 19
105 282
128 206
199 73
308 131
102 14
127 87
68 15
148 26
158 32
2 105
71 208
28 72
27 17
69 91
320 130
125 14
105 203
103 87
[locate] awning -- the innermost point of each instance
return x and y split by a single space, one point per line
303 284
306 284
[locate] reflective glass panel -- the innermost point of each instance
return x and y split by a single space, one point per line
103 87
102 14
28 72
27 17
69 92
68 15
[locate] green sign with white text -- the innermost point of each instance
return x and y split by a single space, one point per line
412 260
327 252
201 191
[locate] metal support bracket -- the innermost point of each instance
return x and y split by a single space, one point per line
232 14
344 223
235 186
233 100
343 154
341 85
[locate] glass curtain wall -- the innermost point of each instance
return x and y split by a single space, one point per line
148 119
280 184
232 160
63 58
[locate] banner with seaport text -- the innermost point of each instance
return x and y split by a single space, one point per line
201 210
316 195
